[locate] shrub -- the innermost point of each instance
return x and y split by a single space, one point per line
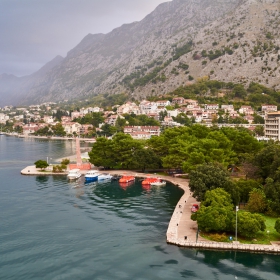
277 225
65 161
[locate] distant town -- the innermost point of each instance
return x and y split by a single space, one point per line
48 119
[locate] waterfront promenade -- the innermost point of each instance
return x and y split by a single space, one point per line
182 231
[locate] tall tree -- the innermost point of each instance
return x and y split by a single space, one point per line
211 176
102 153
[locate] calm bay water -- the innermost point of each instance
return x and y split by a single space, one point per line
53 229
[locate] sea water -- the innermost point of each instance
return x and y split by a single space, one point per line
54 229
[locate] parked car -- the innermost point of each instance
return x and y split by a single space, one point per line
195 207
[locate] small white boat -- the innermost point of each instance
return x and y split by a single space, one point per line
158 184
92 175
74 174
104 176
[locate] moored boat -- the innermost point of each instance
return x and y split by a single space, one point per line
158 184
92 175
149 180
126 179
74 174
104 176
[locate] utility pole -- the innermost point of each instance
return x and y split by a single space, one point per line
236 210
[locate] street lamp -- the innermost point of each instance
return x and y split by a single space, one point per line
236 210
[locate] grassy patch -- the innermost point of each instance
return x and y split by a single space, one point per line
270 234
264 237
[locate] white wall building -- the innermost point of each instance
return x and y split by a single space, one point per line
272 125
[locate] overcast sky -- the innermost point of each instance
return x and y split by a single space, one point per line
33 32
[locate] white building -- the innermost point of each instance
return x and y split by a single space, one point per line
3 118
272 125
246 110
145 131
48 119
269 108
227 108
147 107
211 106
163 103
71 127
128 108
173 113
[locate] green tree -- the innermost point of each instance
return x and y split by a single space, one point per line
42 164
258 119
216 211
183 119
125 147
65 161
102 153
162 115
257 201
277 225
249 224
259 130
239 91
58 130
146 158
211 176
215 218
245 187
272 192
268 160
108 130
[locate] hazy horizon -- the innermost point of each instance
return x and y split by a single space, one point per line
35 32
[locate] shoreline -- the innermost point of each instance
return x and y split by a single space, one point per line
182 231
89 140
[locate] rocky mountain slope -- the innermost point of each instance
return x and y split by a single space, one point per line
230 40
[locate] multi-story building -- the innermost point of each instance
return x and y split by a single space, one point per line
48 119
246 110
272 125
147 107
178 100
86 128
162 103
269 108
211 107
71 127
3 118
111 120
145 131
76 114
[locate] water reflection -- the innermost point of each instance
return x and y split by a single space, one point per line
42 182
240 265
124 186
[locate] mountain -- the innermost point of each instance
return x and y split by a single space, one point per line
228 40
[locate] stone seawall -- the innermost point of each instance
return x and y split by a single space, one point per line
182 231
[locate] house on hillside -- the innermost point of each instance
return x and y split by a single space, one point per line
86 128
71 127
147 107
269 108
162 103
246 110
145 131
178 100
211 107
